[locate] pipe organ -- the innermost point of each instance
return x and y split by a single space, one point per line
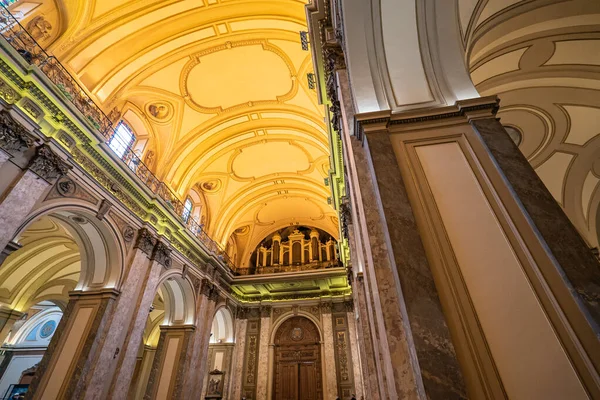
297 250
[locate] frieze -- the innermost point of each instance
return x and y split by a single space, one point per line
162 254
67 187
242 313
32 108
47 165
108 184
145 241
9 94
66 139
338 308
86 155
13 136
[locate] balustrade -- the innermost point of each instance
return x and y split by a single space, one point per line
14 33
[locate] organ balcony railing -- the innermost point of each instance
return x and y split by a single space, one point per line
297 253
16 35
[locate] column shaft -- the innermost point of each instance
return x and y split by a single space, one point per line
125 368
330 390
237 363
263 353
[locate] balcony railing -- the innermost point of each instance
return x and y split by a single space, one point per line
14 33
289 268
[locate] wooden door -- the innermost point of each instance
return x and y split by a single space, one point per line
297 361
288 376
307 381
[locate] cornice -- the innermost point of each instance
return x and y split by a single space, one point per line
461 111
71 133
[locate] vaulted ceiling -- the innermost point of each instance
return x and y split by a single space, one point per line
217 91
542 59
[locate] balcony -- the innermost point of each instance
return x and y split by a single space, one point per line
101 124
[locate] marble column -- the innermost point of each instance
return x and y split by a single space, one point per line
263 353
203 323
448 187
74 346
8 318
213 299
237 370
398 375
367 357
18 201
124 372
96 381
356 361
166 375
330 389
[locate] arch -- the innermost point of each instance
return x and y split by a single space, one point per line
179 299
31 329
222 326
101 245
296 352
424 69
64 248
290 314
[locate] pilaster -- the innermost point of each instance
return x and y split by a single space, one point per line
75 345
166 375
237 362
263 352
160 258
329 367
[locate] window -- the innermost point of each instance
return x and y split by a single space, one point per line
121 139
187 209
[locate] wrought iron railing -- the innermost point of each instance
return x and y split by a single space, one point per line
14 33
272 269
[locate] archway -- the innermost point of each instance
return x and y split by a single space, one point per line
297 372
172 309
61 249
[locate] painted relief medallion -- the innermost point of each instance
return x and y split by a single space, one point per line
159 111
296 334
47 329
211 186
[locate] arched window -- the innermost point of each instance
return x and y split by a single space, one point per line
187 209
121 139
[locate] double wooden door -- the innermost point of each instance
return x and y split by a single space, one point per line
297 379
297 362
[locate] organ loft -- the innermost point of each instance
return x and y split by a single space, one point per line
299 199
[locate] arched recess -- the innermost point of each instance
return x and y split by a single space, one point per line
222 330
64 248
414 53
296 343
